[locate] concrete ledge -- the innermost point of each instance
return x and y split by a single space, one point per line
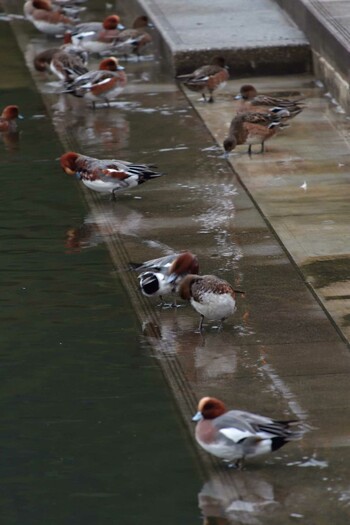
254 36
273 60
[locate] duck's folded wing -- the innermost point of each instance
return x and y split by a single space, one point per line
91 79
265 426
157 265
234 425
267 100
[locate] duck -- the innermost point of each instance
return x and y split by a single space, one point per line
254 128
131 41
207 79
67 66
104 84
107 175
42 60
154 273
97 37
250 100
70 8
235 434
213 298
46 19
8 119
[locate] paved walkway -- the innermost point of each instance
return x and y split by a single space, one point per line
313 224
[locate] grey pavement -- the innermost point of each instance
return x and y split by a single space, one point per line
259 37
312 223
195 31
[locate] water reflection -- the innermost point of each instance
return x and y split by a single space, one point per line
238 498
108 128
104 223
10 140
265 493
209 359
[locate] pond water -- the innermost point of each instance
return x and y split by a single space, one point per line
89 429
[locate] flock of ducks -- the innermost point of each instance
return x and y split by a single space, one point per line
229 435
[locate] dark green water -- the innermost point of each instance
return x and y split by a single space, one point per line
89 431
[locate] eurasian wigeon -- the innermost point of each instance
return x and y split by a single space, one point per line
48 21
210 296
208 78
97 37
70 8
250 100
43 60
254 128
132 41
107 175
154 274
102 85
235 435
67 66
8 119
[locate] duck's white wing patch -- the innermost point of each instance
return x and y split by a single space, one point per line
236 435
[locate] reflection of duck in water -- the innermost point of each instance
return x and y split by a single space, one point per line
8 127
105 128
236 499
104 223
235 435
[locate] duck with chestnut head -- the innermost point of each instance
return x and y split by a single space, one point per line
109 176
105 84
154 274
8 119
235 434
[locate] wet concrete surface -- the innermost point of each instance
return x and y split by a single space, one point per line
281 354
300 183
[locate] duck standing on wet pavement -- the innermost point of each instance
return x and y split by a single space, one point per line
43 16
97 37
154 274
105 85
207 79
251 101
213 298
108 175
254 128
235 435
133 41
78 61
